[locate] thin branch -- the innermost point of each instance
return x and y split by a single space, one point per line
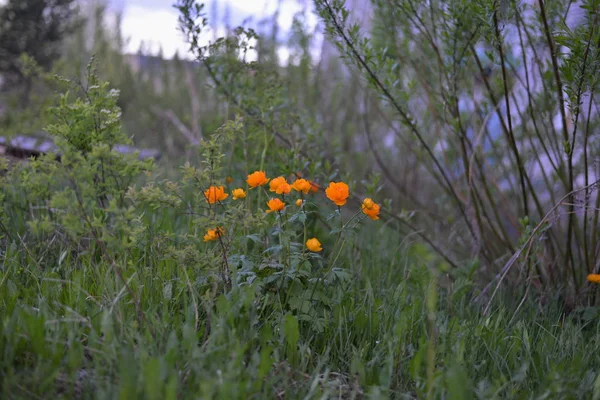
561 103
576 124
194 100
381 164
511 135
407 120
181 127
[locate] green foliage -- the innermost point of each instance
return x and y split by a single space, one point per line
122 280
77 196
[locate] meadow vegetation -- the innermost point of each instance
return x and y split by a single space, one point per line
347 227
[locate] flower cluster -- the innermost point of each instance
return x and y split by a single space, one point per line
337 192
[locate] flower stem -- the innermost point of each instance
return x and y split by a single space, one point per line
282 259
226 270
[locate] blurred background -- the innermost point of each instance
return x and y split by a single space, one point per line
142 52
138 44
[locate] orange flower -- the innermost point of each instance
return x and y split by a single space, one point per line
337 192
302 185
299 202
214 194
257 178
314 188
284 188
370 208
368 203
594 278
276 182
213 234
314 245
229 179
275 205
238 193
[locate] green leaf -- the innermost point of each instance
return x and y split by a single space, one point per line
152 379
457 382
255 238
596 390
290 330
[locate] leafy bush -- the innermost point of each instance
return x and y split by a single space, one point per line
514 187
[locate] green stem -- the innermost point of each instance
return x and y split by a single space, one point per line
264 152
304 239
282 258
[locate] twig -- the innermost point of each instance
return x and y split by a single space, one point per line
184 130
561 103
195 100
511 135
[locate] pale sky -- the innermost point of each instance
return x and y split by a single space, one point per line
154 22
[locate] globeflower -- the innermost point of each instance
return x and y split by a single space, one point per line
276 183
299 202
213 234
238 193
594 278
337 192
214 194
284 188
275 205
314 245
257 178
370 208
302 185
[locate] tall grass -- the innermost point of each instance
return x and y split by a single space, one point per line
70 330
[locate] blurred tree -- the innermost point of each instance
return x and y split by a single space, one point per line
36 28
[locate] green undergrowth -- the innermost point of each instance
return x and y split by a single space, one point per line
385 328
